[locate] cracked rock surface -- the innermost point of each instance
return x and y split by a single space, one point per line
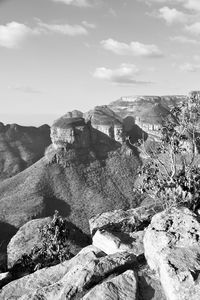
120 230
172 249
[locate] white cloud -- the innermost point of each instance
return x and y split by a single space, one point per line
78 3
124 75
172 15
192 4
188 67
89 25
184 40
134 48
12 34
189 4
65 29
193 28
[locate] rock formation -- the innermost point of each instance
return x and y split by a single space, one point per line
172 249
120 230
71 278
105 120
148 111
92 273
70 131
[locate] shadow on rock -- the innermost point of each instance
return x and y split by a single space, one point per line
6 233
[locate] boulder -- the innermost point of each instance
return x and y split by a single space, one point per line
82 277
149 286
25 239
172 250
120 230
121 287
47 276
70 279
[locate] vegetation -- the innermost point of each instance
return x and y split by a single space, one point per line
171 171
54 249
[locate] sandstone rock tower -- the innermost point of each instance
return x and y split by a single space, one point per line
105 120
69 131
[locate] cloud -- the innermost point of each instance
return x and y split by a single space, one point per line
193 5
13 33
78 3
89 25
124 75
184 40
65 29
24 89
134 48
188 67
193 28
172 15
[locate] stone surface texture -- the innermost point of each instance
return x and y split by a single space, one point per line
121 287
120 230
172 249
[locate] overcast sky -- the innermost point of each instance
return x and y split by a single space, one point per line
60 55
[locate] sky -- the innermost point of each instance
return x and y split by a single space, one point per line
60 55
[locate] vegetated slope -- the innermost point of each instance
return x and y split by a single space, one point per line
78 188
20 147
137 105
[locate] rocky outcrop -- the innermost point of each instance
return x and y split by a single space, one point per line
172 249
25 239
69 131
105 120
72 278
120 230
148 111
121 287
30 236
47 276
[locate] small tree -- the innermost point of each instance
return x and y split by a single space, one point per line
171 173
54 248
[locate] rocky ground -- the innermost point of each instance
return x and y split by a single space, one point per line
135 254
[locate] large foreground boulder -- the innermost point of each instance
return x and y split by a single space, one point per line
172 249
120 230
25 239
47 276
70 279
30 236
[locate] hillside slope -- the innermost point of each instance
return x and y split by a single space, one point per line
20 147
77 187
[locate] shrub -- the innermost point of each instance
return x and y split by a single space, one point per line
171 172
54 249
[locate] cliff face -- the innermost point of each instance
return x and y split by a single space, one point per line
147 111
70 133
20 147
107 121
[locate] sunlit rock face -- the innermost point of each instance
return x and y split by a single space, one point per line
71 131
105 120
172 250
